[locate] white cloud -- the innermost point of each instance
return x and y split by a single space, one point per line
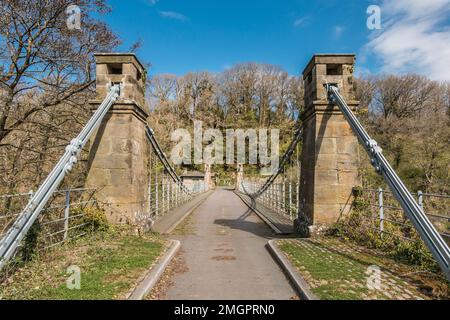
173 15
415 37
152 2
300 22
338 31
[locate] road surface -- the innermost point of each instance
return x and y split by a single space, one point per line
224 255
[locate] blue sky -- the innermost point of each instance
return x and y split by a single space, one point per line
197 35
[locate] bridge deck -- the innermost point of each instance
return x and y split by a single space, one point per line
224 255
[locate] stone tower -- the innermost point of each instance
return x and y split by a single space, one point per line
119 152
329 161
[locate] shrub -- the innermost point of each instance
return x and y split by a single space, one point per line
362 227
93 219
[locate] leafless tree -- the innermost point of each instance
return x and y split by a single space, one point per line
46 78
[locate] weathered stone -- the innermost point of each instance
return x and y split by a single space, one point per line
326 145
329 164
119 151
326 177
347 145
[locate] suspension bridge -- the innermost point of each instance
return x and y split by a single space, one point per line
135 183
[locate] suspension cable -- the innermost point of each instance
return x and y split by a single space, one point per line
286 157
28 216
163 158
414 212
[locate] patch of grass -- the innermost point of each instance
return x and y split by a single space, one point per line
338 271
325 271
111 264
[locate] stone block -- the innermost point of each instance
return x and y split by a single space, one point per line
326 194
347 145
326 145
348 177
122 145
326 162
326 214
121 177
112 161
326 177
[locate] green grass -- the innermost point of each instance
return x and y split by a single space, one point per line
325 276
339 271
111 265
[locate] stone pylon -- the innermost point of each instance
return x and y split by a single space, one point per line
239 176
119 151
329 160
208 177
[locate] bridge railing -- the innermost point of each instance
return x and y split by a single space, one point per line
164 194
281 191
65 217
385 216
62 219
19 229
166 190
415 213
282 196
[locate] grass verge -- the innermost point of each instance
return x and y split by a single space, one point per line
338 271
111 264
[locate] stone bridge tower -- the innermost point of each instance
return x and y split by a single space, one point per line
208 177
119 151
239 176
329 161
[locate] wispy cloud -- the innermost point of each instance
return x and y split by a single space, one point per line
415 38
300 22
152 2
173 15
338 31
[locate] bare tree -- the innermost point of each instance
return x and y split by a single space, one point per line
46 80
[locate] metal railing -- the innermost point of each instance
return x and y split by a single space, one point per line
386 214
431 237
281 196
166 190
164 194
18 230
64 218
279 192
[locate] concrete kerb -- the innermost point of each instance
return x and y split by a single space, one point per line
155 273
300 285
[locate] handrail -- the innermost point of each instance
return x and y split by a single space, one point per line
162 157
413 211
28 216
287 155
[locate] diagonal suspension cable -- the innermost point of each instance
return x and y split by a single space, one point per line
286 157
20 227
414 212
163 158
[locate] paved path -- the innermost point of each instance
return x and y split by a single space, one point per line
223 244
